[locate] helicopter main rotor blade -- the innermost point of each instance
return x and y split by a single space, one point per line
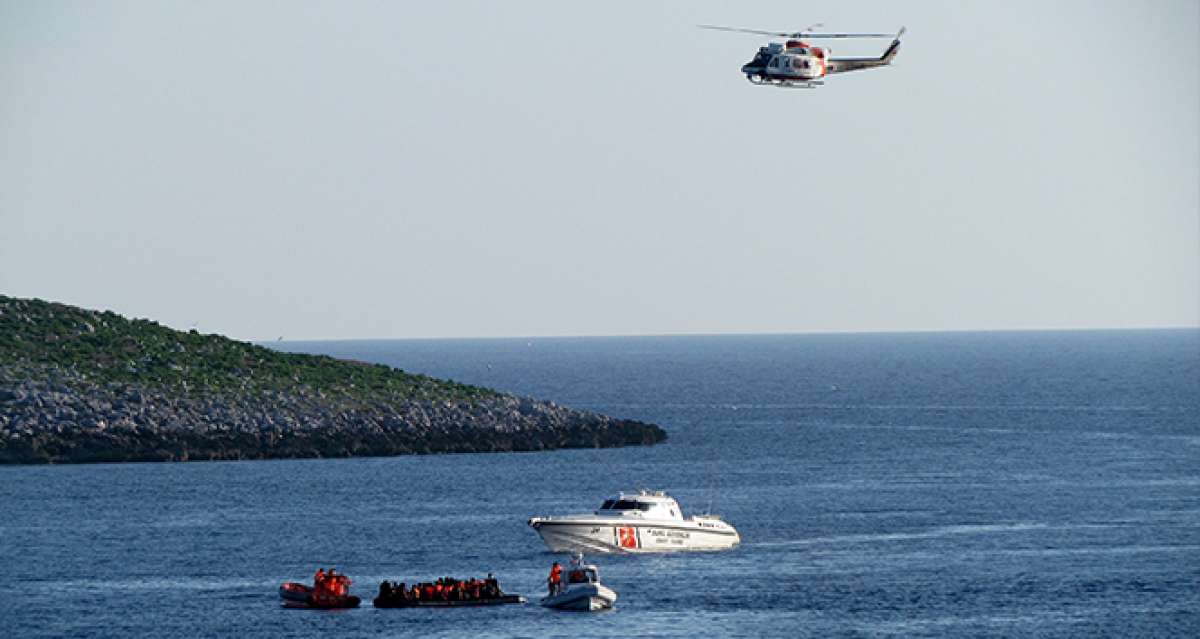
796 34
737 30
842 35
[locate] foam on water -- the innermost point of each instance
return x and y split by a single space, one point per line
942 531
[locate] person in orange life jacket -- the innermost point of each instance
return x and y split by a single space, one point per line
555 578
335 585
321 587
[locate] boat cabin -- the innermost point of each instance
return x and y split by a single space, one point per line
585 574
645 503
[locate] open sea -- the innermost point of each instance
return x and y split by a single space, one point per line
962 484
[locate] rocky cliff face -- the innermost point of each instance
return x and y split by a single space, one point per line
67 395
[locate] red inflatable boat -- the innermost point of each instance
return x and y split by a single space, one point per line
297 595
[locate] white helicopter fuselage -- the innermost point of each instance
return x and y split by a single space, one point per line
793 61
796 63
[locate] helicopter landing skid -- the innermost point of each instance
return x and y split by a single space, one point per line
807 84
784 84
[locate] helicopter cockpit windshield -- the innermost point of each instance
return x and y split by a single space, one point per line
761 58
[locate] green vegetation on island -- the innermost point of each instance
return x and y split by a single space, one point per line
107 348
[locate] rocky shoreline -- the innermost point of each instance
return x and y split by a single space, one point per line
56 417
87 386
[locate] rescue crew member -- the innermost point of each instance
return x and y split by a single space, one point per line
555 578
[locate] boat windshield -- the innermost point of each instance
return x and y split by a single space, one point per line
624 504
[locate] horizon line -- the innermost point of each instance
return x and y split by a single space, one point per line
922 331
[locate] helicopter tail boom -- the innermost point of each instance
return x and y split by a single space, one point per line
841 65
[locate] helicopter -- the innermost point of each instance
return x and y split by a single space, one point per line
795 63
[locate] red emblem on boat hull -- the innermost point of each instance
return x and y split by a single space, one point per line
627 537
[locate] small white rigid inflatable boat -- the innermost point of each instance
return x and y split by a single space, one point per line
581 590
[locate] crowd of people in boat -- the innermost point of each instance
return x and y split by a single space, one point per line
444 589
329 586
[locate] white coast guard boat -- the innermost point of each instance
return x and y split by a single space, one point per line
645 521
581 589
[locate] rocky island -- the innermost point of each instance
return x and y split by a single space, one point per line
86 386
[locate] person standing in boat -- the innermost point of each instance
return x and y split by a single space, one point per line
555 581
323 589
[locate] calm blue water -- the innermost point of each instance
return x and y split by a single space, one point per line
1012 484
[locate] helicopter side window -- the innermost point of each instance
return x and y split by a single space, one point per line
775 63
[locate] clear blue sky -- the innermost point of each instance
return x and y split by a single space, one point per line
388 169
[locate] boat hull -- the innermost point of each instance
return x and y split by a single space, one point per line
632 536
292 592
439 603
582 598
